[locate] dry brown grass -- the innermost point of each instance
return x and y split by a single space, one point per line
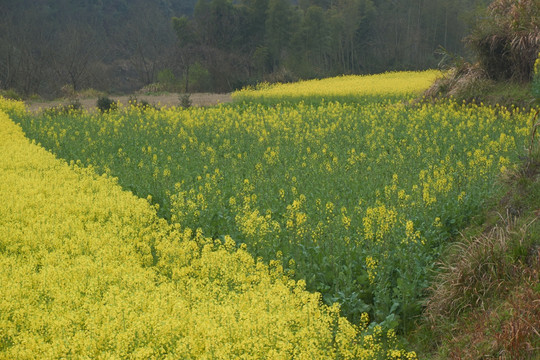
479 267
463 79
509 330
486 303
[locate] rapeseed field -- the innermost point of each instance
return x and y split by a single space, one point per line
352 191
90 271
342 88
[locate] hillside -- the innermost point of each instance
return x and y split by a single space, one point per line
50 47
485 301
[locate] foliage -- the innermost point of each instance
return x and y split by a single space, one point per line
10 94
89 270
167 81
535 85
507 40
120 46
105 104
185 100
200 78
110 46
356 197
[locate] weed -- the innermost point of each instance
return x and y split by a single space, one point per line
141 104
74 106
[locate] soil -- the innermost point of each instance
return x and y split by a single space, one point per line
162 100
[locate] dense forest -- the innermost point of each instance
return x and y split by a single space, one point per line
219 45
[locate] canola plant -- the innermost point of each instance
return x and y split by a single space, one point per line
90 271
342 185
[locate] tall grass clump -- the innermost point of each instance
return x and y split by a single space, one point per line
505 43
508 39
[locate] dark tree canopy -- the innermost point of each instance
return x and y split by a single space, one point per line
219 45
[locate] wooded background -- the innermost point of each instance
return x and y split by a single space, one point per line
120 46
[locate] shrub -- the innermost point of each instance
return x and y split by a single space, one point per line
10 94
185 100
507 40
105 104
68 92
141 104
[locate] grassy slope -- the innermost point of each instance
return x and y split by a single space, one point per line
485 303
469 84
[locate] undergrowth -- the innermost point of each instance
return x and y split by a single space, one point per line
485 302
469 83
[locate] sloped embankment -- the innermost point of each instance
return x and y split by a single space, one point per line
486 300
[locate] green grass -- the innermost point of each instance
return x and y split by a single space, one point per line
509 94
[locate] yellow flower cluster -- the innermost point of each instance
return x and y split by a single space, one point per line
12 106
535 86
87 270
350 86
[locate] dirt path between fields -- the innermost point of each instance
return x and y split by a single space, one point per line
199 99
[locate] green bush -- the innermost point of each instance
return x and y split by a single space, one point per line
185 100
141 104
105 104
10 94
167 81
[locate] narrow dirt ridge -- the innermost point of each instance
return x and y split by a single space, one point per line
172 99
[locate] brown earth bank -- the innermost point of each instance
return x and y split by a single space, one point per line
168 100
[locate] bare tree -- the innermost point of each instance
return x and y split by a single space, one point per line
75 49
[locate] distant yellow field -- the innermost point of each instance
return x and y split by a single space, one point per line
391 83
